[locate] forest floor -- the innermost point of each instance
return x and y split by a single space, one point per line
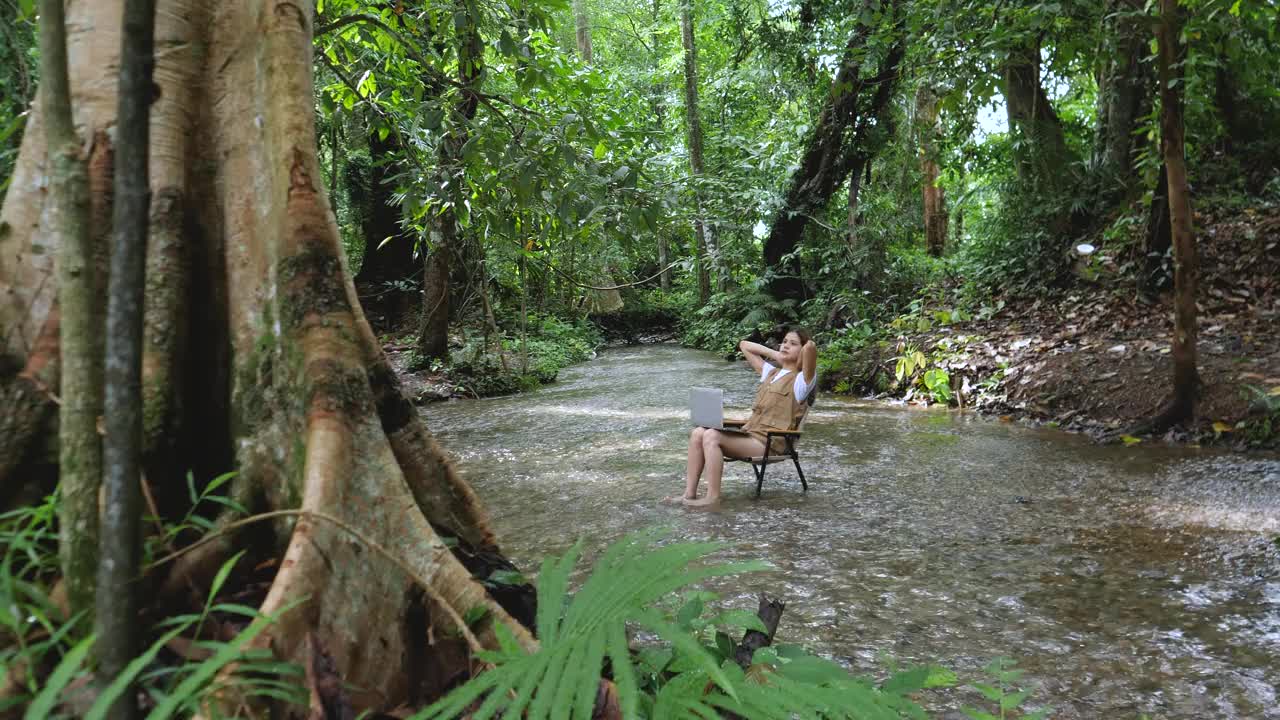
1096 358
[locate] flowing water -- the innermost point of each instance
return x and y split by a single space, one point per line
1124 580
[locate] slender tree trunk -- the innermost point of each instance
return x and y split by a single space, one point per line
1153 278
658 104
117 592
288 383
851 224
935 207
433 341
844 133
1172 55
80 452
583 27
693 125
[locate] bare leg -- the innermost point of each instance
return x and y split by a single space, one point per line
714 446
693 467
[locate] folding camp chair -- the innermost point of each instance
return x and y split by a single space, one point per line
760 462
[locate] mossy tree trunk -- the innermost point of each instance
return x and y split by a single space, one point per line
284 377
80 451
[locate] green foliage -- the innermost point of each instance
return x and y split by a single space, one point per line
1261 428
36 635
729 317
1003 695
693 675
19 70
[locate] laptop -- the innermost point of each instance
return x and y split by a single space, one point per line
706 409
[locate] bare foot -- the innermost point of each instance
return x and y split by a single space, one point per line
705 502
675 500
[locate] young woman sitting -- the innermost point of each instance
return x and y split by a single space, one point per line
786 377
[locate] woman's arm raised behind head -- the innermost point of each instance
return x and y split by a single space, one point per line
757 354
809 361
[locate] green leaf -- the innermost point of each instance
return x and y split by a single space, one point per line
42 706
689 612
813 670
989 692
205 671
1013 700
601 151
131 671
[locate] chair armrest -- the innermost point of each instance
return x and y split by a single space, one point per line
734 423
784 433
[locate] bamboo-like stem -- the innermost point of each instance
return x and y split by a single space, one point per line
79 449
117 600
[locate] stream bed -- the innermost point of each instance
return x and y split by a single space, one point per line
1123 580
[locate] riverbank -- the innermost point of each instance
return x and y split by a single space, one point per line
489 366
1096 358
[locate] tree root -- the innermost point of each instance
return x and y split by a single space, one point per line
27 405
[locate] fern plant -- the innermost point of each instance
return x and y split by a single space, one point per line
691 679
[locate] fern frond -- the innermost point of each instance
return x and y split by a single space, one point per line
560 680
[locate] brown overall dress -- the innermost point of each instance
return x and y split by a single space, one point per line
775 408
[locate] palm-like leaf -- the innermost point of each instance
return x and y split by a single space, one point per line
561 678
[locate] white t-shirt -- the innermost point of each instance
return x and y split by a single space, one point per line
800 387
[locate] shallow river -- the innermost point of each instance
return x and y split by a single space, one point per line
1123 580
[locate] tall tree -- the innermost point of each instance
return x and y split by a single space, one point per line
117 598
935 206
289 382
80 452
388 248
1172 60
582 22
1124 98
433 341
693 127
657 103
1044 160
849 129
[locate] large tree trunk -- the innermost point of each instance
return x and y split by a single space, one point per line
388 249
935 207
1044 161
844 134
693 124
1124 98
1172 55
433 341
311 410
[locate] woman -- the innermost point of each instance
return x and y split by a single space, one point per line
786 377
